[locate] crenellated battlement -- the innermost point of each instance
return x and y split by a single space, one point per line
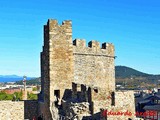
106 45
55 22
55 28
91 44
52 21
67 23
93 47
94 44
79 43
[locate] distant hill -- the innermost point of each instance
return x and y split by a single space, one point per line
125 72
132 76
12 78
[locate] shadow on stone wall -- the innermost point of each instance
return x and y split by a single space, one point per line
67 94
30 109
96 116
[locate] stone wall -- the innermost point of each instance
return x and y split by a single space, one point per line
44 95
44 111
124 102
18 110
76 111
94 65
30 109
99 99
11 110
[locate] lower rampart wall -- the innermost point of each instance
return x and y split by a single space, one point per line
18 110
119 107
11 110
124 106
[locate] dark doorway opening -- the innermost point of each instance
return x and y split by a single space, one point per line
57 93
113 98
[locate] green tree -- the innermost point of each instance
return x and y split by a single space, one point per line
32 96
34 89
14 96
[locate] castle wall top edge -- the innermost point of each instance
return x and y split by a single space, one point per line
91 44
55 21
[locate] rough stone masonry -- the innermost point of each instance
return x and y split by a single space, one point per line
78 81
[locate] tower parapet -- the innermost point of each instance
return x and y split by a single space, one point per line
94 48
79 43
94 63
94 44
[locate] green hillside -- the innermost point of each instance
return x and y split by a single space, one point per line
126 72
132 79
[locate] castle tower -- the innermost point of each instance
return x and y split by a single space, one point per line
64 62
56 60
94 64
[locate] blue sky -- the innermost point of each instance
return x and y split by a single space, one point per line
133 26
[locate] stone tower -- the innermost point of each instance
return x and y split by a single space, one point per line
93 64
74 71
64 62
57 59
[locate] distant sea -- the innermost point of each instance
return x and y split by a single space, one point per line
12 78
